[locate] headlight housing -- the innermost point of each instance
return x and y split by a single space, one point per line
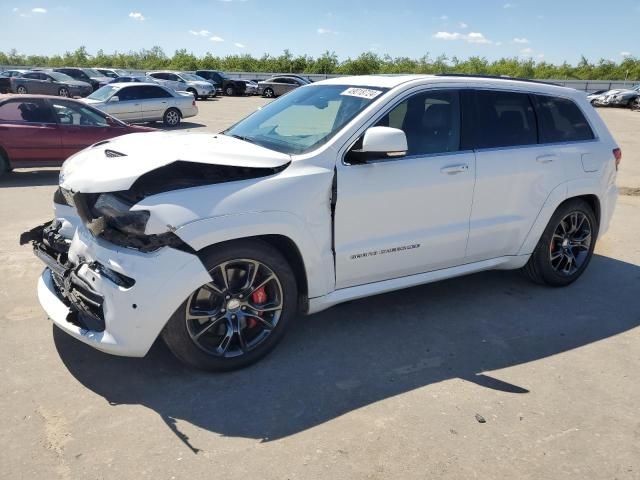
117 214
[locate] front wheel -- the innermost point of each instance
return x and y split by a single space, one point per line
230 91
171 117
269 93
63 92
239 316
566 246
21 90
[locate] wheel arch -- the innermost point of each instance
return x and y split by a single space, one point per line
5 156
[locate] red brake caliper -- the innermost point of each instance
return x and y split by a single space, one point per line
259 297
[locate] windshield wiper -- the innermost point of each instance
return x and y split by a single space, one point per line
240 137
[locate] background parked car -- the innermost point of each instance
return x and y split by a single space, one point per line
279 85
113 72
133 79
5 79
50 83
44 131
185 82
223 83
594 95
89 75
619 97
144 102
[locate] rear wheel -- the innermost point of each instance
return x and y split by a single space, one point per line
635 105
566 246
21 89
239 316
229 91
171 118
63 92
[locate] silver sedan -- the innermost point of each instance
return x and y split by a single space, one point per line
143 102
276 86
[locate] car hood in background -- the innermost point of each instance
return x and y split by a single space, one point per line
130 156
76 83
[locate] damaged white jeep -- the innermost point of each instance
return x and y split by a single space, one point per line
342 189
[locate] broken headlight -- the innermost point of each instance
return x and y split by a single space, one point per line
117 214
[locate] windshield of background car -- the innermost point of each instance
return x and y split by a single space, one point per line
102 93
192 78
60 77
305 118
91 72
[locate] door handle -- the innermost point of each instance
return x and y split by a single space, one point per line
455 169
546 158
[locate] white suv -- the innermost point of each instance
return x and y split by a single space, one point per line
185 82
341 189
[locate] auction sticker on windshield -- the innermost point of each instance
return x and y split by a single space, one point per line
368 93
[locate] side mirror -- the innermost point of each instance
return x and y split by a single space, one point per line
115 98
380 143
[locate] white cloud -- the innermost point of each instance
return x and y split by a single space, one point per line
137 16
444 17
326 31
540 56
15 9
625 54
521 40
509 5
215 38
498 43
38 10
471 37
463 25
200 33
526 52
239 45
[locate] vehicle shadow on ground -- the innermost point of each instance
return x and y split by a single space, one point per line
368 350
30 178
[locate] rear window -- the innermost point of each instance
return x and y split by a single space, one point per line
561 121
504 119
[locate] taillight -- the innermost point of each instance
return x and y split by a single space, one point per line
617 153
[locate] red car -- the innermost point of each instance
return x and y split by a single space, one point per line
37 130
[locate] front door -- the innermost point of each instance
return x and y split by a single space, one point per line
129 105
409 215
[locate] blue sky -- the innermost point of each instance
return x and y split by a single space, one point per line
553 30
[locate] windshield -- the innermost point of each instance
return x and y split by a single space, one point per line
60 77
92 72
191 77
305 118
102 93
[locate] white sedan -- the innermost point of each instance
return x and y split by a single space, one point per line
143 102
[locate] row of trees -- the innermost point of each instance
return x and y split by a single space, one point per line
328 63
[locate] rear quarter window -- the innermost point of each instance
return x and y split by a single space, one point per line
561 120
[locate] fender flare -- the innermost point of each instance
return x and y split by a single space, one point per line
317 261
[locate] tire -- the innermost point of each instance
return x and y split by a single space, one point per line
635 105
22 90
193 92
229 91
63 92
171 117
551 264
239 336
269 93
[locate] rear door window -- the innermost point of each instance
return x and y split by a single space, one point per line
149 91
504 119
561 120
130 93
26 111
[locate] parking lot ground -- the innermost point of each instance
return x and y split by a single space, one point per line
486 376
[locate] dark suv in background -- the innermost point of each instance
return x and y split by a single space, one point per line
223 83
89 75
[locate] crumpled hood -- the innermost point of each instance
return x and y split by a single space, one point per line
92 171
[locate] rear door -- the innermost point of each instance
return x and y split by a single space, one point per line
29 132
155 101
34 82
514 173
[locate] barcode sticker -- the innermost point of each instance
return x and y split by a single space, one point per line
368 93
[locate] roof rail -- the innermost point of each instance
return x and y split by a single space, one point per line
495 77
